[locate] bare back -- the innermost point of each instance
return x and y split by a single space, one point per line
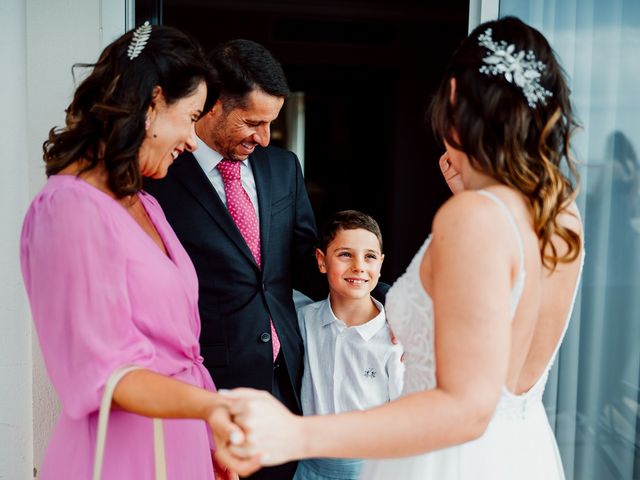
463 271
545 305
543 313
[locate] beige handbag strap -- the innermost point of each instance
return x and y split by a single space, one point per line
103 422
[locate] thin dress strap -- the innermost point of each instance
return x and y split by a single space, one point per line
519 284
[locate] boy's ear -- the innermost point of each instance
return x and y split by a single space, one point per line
321 262
382 258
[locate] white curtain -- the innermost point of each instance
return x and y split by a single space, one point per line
593 394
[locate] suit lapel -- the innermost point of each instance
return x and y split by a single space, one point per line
187 172
262 176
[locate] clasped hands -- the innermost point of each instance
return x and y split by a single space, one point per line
252 430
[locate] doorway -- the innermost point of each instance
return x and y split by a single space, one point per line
366 71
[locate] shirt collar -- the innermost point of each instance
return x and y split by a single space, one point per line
366 330
208 158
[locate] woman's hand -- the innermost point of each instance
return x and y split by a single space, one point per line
226 433
451 175
272 432
222 472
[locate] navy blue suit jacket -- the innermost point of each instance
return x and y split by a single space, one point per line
236 297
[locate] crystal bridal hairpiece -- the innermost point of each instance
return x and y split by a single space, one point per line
520 68
139 40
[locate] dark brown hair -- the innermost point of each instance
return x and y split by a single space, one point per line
348 220
521 146
105 120
244 66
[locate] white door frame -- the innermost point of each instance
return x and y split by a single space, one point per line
81 29
482 11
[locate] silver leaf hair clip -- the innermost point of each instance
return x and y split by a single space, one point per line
520 68
140 38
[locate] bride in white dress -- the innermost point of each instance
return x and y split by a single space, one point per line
483 306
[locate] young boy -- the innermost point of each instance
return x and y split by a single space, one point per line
350 362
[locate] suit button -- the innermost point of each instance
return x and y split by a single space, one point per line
264 287
265 337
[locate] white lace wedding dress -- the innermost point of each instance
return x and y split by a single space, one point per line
518 443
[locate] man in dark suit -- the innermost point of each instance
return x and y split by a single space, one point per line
246 305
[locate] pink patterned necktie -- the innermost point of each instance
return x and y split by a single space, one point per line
244 215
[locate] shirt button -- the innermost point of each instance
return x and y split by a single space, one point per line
265 337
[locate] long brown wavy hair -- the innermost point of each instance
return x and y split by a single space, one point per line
524 147
105 122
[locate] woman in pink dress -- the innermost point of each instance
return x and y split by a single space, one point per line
108 282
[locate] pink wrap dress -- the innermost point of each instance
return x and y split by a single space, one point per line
104 295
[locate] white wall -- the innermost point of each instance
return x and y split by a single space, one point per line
16 458
39 42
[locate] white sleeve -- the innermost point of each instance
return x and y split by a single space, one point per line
300 300
395 369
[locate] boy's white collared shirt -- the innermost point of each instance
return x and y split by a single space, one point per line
347 368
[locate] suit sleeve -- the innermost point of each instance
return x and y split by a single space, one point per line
306 277
380 292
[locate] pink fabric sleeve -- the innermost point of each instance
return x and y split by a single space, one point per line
75 274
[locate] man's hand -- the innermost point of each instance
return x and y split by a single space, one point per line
395 340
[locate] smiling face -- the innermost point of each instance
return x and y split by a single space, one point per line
234 133
352 263
171 131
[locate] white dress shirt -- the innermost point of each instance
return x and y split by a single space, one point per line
208 159
347 368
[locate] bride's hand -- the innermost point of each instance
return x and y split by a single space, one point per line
451 175
226 433
272 432
222 472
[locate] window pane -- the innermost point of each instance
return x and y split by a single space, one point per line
593 395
